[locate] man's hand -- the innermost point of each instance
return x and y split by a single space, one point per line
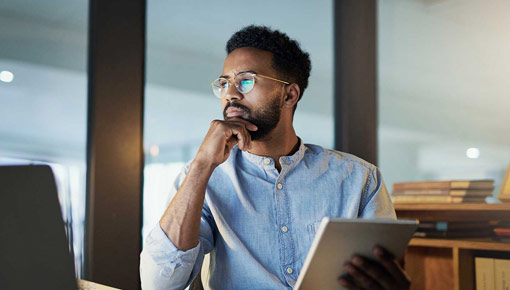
181 220
383 274
222 137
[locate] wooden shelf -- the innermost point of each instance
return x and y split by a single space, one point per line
454 212
453 206
467 244
446 264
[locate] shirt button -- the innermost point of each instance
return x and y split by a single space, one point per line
280 186
285 229
267 160
289 270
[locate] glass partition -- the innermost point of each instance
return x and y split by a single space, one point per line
43 98
443 90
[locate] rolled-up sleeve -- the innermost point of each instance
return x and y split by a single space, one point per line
376 201
162 265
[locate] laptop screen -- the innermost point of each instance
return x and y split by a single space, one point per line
34 253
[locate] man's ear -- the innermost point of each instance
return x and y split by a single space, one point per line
292 97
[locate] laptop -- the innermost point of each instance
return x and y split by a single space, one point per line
34 252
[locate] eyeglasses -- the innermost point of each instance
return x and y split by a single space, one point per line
244 83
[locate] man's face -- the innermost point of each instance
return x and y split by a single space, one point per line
261 106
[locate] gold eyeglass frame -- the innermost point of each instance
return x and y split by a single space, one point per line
254 75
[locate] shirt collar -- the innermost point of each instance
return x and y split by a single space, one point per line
284 160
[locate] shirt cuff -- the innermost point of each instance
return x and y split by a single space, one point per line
163 251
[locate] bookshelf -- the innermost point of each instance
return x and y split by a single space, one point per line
454 212
449 263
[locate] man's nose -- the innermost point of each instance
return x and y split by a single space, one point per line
233 93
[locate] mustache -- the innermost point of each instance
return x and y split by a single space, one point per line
235 105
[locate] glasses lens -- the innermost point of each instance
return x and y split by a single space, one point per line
245 82
220 87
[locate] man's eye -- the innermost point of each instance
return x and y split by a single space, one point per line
246 84
223 83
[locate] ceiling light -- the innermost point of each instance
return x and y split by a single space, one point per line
6 76
154 150
473 153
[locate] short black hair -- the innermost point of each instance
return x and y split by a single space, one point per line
288 57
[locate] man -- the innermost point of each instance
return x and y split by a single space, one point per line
255 193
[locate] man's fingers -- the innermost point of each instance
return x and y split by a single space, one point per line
242 136
236 129
238 135
361 278
393 267
347 281
375 271
231 142
249 126
241 127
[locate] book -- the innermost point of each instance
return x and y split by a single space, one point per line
455 226
484 273
502 232
450 192
492 274
446 184
504 192
453 234
436 199
502 274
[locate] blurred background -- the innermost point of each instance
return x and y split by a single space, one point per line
444 98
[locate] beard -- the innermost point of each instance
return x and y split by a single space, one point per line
265 118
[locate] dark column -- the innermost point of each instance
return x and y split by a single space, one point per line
356 77
115 142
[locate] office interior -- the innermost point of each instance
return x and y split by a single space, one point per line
439 109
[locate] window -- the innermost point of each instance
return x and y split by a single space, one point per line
443 90
43 98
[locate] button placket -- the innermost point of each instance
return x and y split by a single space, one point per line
280 221
287 249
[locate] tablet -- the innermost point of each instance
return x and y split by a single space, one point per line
337 239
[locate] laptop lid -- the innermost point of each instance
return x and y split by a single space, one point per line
34 252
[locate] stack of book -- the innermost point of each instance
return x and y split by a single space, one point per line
502 234
448 191
492 274
443 229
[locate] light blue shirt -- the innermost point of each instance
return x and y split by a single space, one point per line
258 224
